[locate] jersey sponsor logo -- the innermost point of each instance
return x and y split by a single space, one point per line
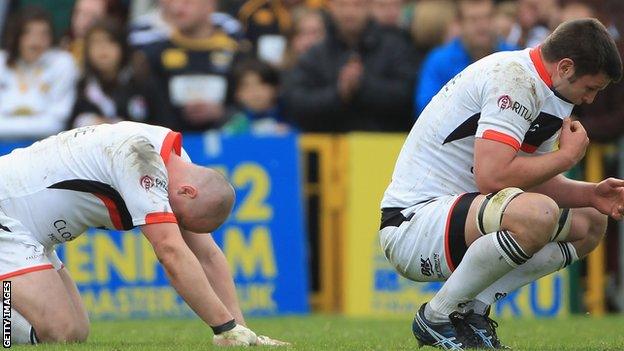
148 182
521 111
62 230
426 267
504 102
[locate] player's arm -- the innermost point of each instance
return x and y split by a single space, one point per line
606 196
185 272
216 269
568 193
187 277
497 165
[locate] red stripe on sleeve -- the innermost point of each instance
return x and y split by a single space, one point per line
501 137
160 217
528 148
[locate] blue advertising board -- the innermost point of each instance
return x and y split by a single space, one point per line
118 274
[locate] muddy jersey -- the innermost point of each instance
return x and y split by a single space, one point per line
507 97
108 176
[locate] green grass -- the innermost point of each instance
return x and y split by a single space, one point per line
321 332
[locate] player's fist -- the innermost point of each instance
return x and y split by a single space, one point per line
239 336
573 140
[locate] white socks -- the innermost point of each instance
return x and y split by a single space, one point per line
551 258
488 258
21 330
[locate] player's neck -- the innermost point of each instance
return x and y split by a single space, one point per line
551 67
175 167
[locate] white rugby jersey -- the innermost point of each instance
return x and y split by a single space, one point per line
108 176
506 97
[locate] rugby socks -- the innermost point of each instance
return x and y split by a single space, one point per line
552 257
488 259
21 330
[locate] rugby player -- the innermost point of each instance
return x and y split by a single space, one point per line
477 197
117 176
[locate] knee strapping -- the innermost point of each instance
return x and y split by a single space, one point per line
562 230
490 214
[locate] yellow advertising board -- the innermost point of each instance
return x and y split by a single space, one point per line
371 286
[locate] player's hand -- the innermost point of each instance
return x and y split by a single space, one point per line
609 197
266 341
239 336
573 140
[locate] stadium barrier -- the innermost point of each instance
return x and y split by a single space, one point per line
324 190
596 283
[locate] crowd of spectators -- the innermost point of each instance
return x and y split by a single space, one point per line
265 66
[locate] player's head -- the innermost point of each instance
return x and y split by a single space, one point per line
201 198
585 59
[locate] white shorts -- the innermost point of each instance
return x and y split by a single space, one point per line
20 252
426 242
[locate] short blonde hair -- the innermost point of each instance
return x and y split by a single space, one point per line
431 22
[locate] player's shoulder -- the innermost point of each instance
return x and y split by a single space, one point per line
139 128
509 69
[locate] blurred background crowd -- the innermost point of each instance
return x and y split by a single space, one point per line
267 66
263 66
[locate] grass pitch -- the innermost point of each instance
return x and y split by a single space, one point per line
320 332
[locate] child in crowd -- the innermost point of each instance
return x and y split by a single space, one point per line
110 89
257 111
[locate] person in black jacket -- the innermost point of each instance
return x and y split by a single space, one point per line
110 89
359 78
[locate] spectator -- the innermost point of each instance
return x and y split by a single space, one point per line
476 41
266 24
309 30
192 67
84 14
256 87
387 12
233 7
36 81
505 18
358 78
576 10
528 31
433 24
110 89
157 25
